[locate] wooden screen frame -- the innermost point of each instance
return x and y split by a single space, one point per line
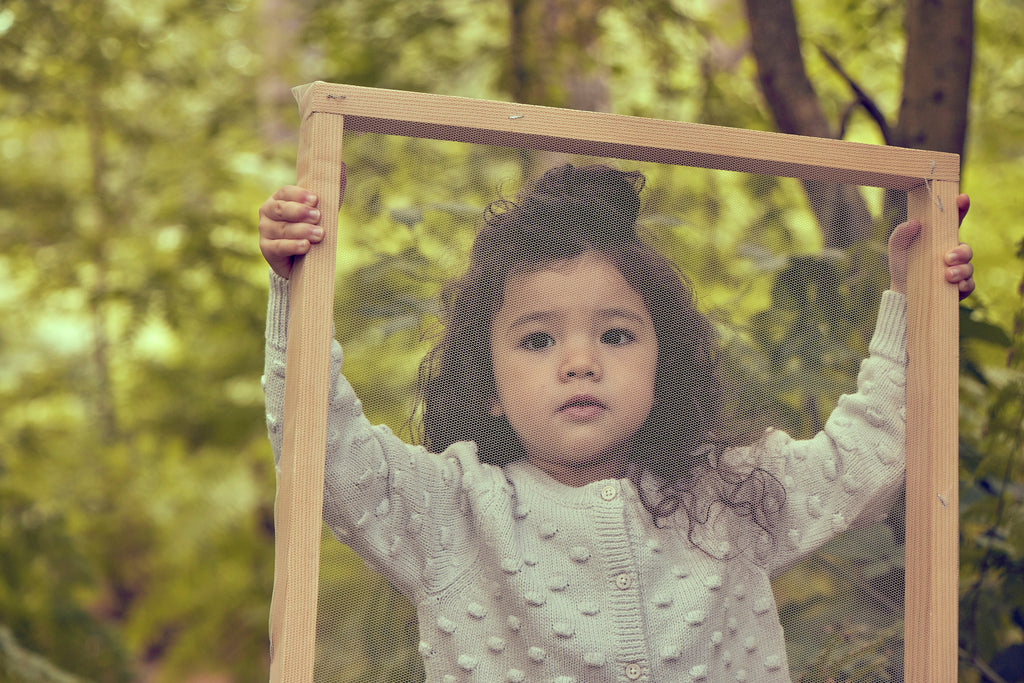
931 180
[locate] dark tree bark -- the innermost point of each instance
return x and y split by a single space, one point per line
936 82
933 114
936 75
775 42
841 212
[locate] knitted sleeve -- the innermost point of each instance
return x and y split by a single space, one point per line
849 473
405 511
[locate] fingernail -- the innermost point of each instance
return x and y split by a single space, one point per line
311 199
318 233
313 215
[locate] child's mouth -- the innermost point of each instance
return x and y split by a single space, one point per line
582 406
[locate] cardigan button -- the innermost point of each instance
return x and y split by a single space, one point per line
633 671
623 581
608 492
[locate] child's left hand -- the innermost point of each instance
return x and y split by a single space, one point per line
959 270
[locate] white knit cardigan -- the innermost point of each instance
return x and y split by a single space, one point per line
517 577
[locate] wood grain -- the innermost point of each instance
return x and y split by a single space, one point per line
299 506
932 560
930 177
443 117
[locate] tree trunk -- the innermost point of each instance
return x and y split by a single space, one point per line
936 82
109 218
841 211
787 90
552 47
936 75
936 79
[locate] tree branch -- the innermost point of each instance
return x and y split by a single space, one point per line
862 98
990 674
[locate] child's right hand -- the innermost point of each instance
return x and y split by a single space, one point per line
289 225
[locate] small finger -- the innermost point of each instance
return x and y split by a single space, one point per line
284 248
960 273
961 253
291 212
966 287
963 205
954 275
294 193
279 230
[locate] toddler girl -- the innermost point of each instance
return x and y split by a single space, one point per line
580 509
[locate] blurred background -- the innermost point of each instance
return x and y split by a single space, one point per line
138 140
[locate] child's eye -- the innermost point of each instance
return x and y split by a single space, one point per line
617 337
537 341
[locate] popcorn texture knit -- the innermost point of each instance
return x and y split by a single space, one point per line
517 577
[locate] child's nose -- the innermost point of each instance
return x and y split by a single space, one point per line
581 363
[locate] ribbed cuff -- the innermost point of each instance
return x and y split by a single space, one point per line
890 339
277 311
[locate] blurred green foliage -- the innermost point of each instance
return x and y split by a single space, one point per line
138 139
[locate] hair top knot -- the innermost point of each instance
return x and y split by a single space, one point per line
569 204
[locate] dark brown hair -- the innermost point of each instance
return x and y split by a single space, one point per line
570 211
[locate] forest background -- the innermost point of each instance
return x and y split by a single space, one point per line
138 140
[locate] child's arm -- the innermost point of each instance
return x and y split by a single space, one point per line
848 473
401 508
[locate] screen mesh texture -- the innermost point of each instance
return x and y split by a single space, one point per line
519 493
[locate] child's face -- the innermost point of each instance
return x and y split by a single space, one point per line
575 356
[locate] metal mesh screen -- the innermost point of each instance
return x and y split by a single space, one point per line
546 502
